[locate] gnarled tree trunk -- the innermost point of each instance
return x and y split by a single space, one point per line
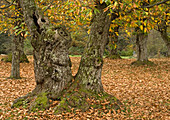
51 44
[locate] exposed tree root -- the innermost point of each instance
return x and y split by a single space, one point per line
74 97
78 97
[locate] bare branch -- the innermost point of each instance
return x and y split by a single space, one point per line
7 1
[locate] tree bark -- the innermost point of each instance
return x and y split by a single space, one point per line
141 45
141 48
162 28
51 61
90 68
16 51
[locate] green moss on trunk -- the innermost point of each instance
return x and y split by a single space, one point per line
41 102
74 97
19 103
77 97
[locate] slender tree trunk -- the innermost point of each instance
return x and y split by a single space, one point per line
15 69
18 56
141 45
18 48
89 72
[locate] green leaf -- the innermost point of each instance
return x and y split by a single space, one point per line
19 32
15 27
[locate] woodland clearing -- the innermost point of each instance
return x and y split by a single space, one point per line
144 90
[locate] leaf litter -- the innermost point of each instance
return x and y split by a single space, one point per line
144 90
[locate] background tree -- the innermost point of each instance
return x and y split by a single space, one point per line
163 25
155 45
138 14
112 45
14 20
5 43
163 28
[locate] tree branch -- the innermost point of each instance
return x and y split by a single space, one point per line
7 5
48 6
158 3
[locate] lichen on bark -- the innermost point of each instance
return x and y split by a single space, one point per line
90 68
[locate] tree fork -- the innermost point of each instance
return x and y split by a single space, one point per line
52 65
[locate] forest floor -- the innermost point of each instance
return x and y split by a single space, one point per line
145 91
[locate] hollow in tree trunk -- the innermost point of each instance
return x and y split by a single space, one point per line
51 61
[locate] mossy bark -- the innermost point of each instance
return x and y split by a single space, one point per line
51 61
51 43
77 97
90 68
